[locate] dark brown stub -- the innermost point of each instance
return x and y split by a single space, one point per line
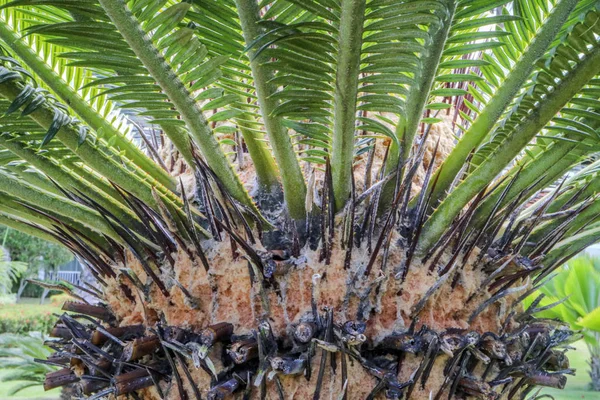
244 350
545 379
224 390
476 388
93 311
89 386
101 367
288 366
60 378
494 348
132 381
61 331
305 331
558 361
59 358
220 332
123 332
404 342
140 347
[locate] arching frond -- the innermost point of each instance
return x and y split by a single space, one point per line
552 89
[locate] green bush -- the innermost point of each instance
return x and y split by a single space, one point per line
30 291
26 248
37 253
58 300
34 291
23 325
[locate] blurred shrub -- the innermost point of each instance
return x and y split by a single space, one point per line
23 325
59 299
7 299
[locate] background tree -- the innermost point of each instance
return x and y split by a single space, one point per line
10 271
36 253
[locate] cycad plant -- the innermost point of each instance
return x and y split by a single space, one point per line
294 224
573 296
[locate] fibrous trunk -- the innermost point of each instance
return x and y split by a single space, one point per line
347 311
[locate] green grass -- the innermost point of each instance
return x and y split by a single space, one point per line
27 308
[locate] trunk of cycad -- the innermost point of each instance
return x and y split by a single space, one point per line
341 317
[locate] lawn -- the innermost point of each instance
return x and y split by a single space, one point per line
27 307
577 386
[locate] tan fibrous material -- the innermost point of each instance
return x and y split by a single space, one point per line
438 145
226 293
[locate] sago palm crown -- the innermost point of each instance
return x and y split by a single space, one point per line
341 199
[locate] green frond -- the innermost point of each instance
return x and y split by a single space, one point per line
351 30
538 105
69 83
17 358
174 90
507 70
561 145
294 187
